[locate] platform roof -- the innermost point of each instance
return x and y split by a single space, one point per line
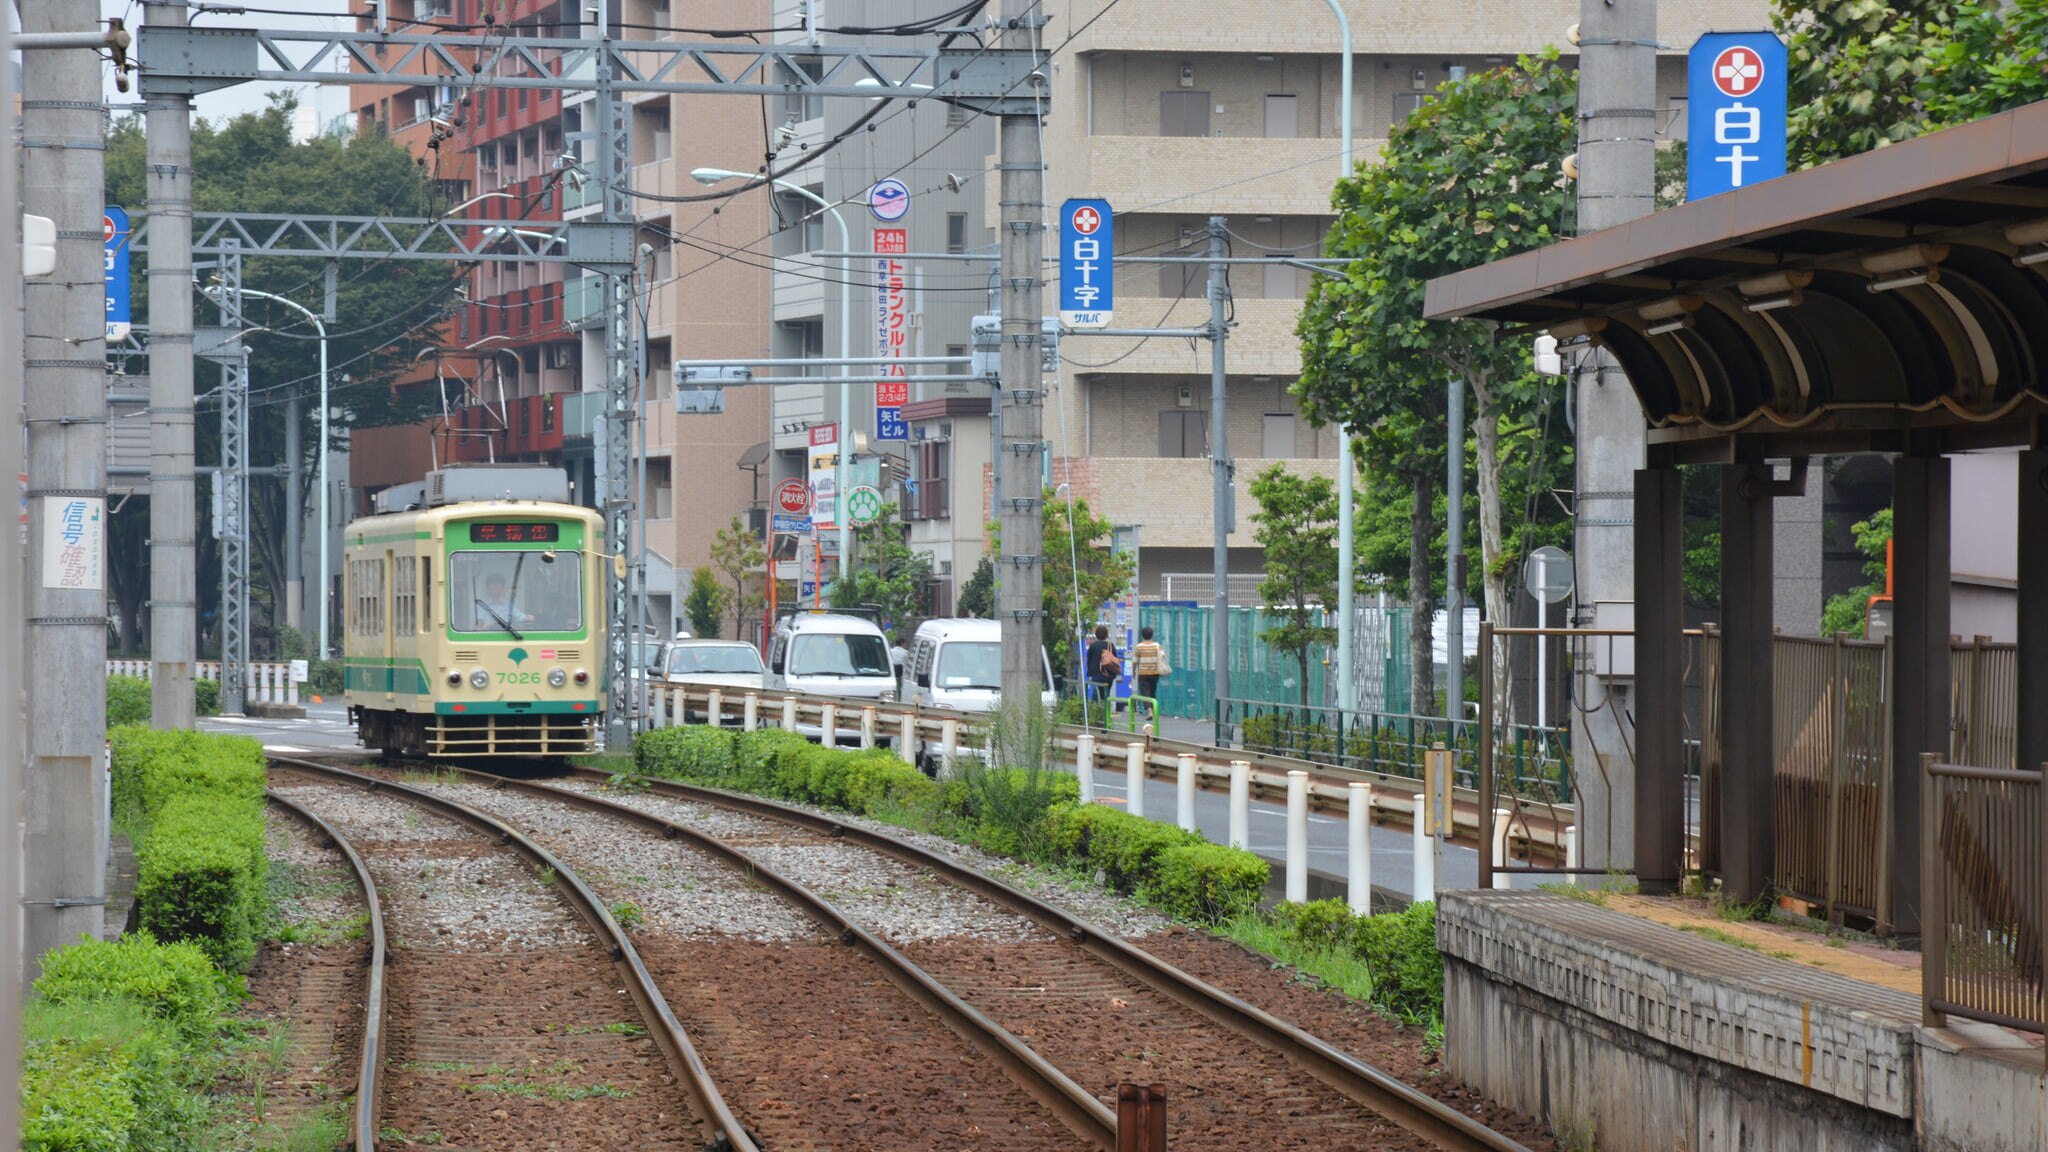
1893 300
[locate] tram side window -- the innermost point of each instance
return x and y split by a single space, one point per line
426 596
401 601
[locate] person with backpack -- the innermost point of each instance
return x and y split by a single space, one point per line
1103 666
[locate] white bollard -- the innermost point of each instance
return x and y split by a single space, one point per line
906 736
1134 778
1571 852
789 713
1084 765
750 713
949 748
1424 887
1500 848
1358 847
1186 784
714 709
1297 837
291 688
828 725
867 726
1240 803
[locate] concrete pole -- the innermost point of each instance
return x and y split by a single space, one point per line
1358 847
1134 778
294 520
1617 177
64 385
1221 512
1454 555
1424 885
1347 561
13 622
1297 837
1184 791
1240 803
173 499
1084 766
1020 401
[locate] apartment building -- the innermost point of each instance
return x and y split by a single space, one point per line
1235 114
521 363
937 152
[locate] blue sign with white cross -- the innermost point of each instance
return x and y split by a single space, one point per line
1087 272
1735 112
119 315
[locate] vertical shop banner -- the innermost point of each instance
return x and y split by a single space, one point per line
892 332
824 459
74 542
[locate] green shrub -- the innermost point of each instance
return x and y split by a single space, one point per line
206 697
1399 949
1205 883
700 754
1318 924
1123 846
1008 807
127 700
193 804
174 982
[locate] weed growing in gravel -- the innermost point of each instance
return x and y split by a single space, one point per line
547 877
390 1135
1715 934
626 782
628 915
267 1059
1339 969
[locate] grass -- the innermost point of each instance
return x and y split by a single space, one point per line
628 915
1718 936
1341 970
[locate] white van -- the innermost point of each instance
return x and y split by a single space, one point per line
958 664
831 654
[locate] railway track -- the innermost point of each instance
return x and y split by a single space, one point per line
531 1024
1090 1003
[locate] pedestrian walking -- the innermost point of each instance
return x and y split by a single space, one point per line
1148 661
1103 667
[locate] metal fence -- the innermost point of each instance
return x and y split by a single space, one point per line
1259 672
1983 729
1832 724
1984 881
1388 743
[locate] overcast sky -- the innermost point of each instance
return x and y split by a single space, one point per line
316 106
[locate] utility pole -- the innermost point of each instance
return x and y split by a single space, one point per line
173 570
1617 178
64 382
12 623
232 480
615 492
1223 511
294 519
1454 554
1020 401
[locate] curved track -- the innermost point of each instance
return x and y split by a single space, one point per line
1359 1082
724 1129
363 1117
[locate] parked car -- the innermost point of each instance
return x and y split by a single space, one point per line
958 664
732 666
831 654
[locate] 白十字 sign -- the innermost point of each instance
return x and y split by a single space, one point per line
1087 267
1735 112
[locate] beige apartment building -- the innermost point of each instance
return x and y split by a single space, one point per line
1177 112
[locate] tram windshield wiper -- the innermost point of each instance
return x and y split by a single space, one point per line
502 622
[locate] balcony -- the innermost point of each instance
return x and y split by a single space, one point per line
798 288
1502 27
1262 344
582 302
1170 496
1289 177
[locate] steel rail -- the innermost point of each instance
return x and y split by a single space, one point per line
1038 1077
729 1135
363 1120
1355 1079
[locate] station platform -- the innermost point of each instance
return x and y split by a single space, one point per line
1645 1036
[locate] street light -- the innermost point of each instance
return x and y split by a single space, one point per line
478 199
710 176
321 467
1346 546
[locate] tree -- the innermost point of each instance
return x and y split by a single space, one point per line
1102 575
1297 528
1849 611
1472 176
886 574
384 310
978 596
738 555
705 603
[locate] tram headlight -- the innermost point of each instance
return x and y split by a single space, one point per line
455 678
557 678
480 679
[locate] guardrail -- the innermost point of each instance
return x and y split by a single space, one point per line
942 733
1984 881
270 682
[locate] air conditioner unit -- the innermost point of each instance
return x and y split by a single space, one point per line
561 355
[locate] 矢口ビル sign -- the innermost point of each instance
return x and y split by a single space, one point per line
1087 271
892 332
1735 112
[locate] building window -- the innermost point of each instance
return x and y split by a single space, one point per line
934 498
1279 436
956 232
1183 113
1183 434
1283 117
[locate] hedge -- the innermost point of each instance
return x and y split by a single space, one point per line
127 701
192 803
117 1049
1018 810
1397 948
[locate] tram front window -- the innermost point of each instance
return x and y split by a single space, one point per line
515 592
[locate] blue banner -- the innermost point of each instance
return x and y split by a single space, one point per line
1087 263
118 295
1735 112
